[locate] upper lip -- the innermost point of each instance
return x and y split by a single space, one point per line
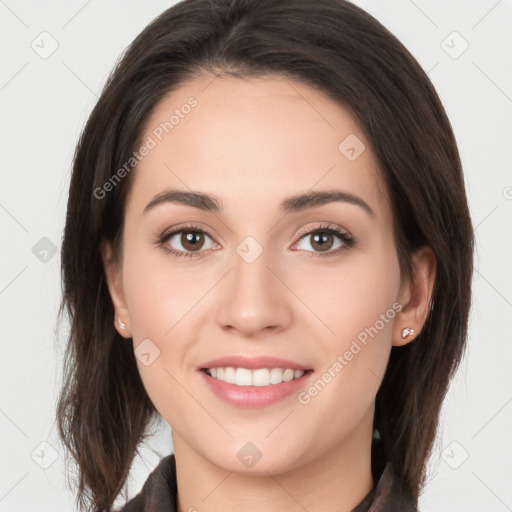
252 363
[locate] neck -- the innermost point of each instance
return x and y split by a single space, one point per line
338 480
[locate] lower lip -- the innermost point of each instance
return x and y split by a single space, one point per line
254 396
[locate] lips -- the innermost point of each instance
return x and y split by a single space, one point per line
250 382
252 363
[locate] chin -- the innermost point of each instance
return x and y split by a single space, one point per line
256 459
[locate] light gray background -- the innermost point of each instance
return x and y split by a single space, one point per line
44 104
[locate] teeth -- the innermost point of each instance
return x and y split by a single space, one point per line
230 375
259 377
243 377
288 375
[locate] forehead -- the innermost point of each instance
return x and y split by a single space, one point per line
252 142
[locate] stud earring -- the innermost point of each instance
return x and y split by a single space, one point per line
407 332
121 324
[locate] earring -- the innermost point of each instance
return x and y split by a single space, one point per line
121 324
406 332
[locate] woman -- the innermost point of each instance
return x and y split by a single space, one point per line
268 245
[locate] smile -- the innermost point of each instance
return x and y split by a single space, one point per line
257 377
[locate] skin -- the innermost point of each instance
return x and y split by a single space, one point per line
252 143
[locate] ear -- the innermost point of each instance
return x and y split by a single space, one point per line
114 279
415 297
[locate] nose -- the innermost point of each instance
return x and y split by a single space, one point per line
253 299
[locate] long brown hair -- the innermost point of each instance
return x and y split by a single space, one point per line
103 410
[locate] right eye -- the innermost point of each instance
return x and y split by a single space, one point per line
189 240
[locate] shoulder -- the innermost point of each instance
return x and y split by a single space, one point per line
159 490
389 494
392 494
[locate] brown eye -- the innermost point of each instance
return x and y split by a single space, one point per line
192 240
187 241
323 241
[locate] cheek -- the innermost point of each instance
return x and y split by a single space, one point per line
359 307
162 299
159 293
353 297
156 305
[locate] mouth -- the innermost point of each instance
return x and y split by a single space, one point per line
253 381
259 377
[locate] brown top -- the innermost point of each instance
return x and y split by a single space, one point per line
159 493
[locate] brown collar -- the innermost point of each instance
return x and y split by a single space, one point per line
159 493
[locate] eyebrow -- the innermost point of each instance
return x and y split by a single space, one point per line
297 203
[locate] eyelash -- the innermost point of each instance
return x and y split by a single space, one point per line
348 240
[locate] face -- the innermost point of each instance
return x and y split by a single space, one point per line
250 274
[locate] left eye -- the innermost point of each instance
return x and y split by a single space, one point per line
323 241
